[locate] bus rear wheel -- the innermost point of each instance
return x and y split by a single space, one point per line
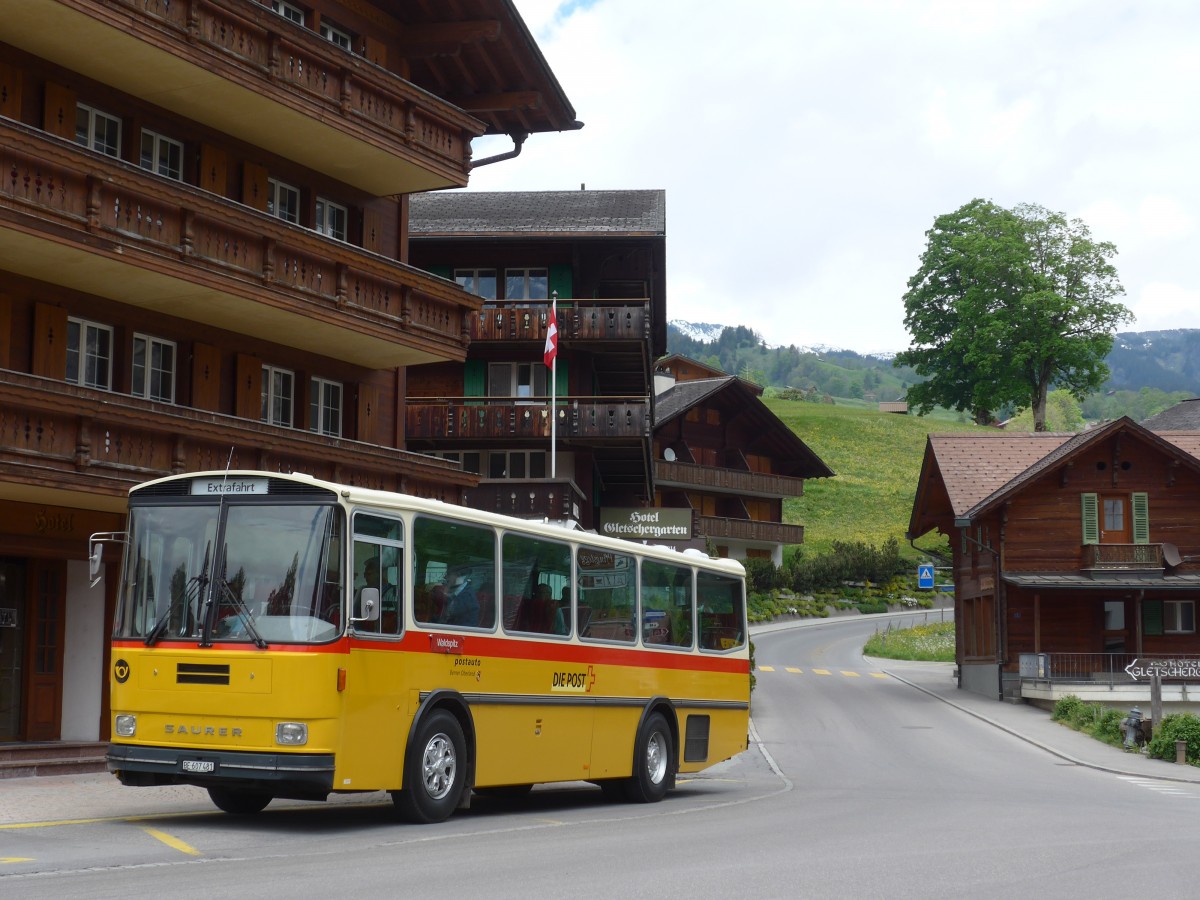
653 761
434 770
239 803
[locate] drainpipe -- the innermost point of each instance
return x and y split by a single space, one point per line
518 139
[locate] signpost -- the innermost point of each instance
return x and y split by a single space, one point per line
925 576
1158 669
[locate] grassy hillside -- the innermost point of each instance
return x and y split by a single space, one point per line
877 460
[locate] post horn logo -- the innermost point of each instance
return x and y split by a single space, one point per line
121 671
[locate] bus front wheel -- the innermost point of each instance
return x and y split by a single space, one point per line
434 769
239 803
653 756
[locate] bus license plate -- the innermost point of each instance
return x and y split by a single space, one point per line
198 765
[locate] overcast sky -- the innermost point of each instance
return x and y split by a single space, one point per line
806 146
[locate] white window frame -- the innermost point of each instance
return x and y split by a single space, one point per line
337 35
527 456
471 280
526 275
159 143
325 406
277 193
1174 620
153 364
289 11
92 365
526 381
328 214
89 140
278 396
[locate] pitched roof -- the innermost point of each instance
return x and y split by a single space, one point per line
524 213
976 471
1183 416
796 457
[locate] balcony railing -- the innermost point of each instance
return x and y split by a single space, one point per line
750 530
60 435
157 243
241 69
532 498
1123 556
583 320
711 478
484 418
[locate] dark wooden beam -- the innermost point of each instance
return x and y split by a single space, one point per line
446 38
502 102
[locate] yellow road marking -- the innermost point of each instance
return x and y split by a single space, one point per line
766 668
172 842
795 671
820 671
849 674
880 675
15 859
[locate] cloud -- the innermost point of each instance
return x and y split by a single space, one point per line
806 146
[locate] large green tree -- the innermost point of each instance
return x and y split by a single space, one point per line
1007 304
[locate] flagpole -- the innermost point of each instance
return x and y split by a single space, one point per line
554 389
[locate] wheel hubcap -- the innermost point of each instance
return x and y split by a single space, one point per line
439 766
656 758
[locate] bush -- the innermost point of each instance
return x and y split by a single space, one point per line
1177 727
1067 709
761 575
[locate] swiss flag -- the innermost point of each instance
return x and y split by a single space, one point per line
551 350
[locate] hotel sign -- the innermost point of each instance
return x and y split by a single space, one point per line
647 524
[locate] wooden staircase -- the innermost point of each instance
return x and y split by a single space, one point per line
51 758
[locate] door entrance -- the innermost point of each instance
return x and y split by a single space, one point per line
44 637
12 646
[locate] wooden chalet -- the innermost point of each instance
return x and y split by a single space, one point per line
721 453
204 261
602 255
1073 556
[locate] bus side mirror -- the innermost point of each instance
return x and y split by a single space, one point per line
368 605
96 552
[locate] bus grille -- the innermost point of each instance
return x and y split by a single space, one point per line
201 673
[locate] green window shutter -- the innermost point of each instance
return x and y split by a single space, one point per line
442 272
560 280
1141 518
1091 518
475 379
1152 617
560 380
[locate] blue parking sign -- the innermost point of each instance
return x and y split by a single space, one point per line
925 576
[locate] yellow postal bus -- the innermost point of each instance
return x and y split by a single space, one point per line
281 636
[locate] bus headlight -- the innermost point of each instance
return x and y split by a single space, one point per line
291 734
126 726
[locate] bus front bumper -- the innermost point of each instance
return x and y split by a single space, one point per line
305 776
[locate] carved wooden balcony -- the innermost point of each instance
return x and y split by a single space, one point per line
717 527
509 418
1128 557
239 68
583 320
101 443
157 243
558 499
711 478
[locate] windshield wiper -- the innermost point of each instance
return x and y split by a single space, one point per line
195 585
243 614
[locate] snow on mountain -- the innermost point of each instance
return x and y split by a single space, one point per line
708 332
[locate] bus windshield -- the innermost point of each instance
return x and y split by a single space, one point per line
242 572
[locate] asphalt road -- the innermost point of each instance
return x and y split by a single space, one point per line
862 786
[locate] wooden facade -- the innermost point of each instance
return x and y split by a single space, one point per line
204 263
525 253
1078 546
721 453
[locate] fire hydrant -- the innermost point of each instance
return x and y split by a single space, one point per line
1131 725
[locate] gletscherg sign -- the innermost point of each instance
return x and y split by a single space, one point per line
669 524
